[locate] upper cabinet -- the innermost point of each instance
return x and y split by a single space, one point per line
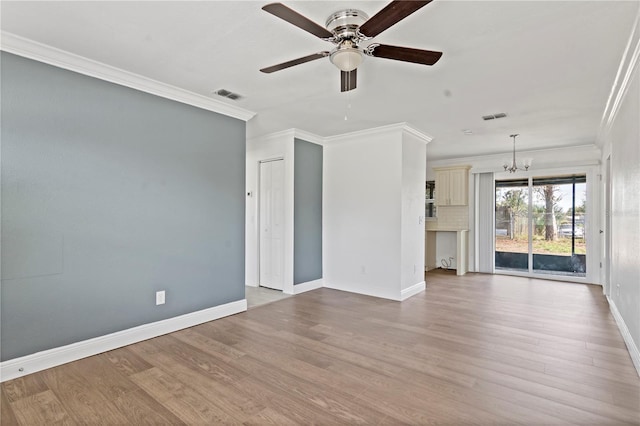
452 186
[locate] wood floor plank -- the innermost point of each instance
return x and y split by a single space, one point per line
126 361
206 344
545 405
81 400
142 409
473 350
41 409
23 387
7 417
285 403
269 416
483 368
184 402
567 397
100 374
333 401
233 403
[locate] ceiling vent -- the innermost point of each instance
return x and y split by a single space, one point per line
494 116
228 94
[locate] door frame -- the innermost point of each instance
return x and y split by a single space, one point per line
606 224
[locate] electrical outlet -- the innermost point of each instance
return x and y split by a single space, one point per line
160 297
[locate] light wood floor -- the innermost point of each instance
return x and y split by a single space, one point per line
477 349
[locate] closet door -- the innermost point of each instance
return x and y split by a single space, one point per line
271 224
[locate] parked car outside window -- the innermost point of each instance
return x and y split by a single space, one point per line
565 229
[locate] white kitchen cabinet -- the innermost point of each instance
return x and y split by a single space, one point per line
452 186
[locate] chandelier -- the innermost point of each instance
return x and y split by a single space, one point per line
513 166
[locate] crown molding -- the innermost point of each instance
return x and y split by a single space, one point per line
626 69
308 136
418 134
324 140
30 49
591 150
288 133
378 130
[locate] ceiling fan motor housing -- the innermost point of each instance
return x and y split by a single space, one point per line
344 24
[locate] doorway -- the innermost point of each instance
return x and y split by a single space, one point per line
271 224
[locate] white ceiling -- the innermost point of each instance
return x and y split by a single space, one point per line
548 65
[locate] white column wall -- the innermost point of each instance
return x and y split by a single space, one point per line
362 215
414 176
373 212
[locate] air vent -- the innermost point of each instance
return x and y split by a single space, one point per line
494 116
228 94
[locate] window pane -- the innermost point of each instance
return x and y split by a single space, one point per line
558 245
512 227
429 201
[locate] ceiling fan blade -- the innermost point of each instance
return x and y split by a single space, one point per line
406 54
293 62
393 13
348 80
293 17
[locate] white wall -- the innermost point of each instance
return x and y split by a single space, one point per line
373 201
414 154
361 216
277 145
446 246
621 134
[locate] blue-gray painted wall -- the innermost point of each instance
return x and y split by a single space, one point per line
108 195
307 212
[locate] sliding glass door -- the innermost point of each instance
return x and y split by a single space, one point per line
540 225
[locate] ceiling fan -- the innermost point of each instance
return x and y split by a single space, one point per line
348 29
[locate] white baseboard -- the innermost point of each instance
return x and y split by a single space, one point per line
38 361
398 297
413 290
363 291
626 335
308 286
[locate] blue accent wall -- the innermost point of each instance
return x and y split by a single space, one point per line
110 194
307 216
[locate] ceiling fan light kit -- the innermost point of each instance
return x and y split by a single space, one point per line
346 58
347 29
